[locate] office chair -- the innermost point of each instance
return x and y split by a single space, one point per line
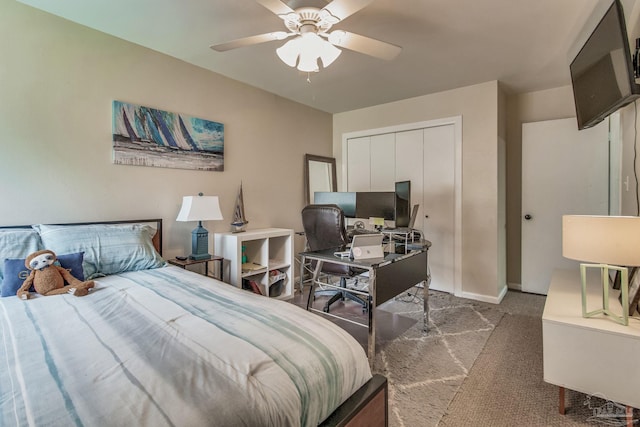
324 228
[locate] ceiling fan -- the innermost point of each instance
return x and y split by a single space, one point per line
313 41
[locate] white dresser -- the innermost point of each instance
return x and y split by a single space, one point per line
595 356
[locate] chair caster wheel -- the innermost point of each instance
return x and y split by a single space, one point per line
325 309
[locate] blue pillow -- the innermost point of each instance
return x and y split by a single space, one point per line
15 272
18 243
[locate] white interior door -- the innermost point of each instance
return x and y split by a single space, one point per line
564 171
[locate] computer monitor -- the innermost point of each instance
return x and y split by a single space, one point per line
403 203
345 200
376 204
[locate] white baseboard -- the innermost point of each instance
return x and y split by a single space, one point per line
485 298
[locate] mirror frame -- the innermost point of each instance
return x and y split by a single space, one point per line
308 158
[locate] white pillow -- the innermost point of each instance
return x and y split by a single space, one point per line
108 248
17 243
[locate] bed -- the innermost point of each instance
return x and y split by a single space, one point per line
157 345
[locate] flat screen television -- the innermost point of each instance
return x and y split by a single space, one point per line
403 203
376 204
602 73
345 200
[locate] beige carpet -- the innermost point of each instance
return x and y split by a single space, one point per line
505 387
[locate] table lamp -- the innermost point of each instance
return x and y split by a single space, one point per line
611 243
200 208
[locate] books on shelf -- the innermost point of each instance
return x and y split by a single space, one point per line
251 285
252 266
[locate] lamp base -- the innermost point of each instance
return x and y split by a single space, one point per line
199 257
200 243
604 275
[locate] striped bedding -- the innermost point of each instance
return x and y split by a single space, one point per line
168 347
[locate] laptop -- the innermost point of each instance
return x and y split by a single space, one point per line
412 220
367 246
414 215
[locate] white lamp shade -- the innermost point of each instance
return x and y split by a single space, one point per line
200 208
611 240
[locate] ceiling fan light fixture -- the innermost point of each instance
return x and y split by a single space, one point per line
289 52
308 62
305 50
328 53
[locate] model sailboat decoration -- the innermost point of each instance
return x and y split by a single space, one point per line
239 221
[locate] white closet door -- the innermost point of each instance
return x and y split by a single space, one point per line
383 162
429 156
409 164
438 212
359 164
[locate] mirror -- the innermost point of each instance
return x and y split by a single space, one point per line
319 175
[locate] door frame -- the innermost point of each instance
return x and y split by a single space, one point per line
456 122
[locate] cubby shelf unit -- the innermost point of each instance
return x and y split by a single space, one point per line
271 248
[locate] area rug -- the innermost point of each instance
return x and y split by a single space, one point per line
425 371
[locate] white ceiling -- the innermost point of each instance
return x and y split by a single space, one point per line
525 44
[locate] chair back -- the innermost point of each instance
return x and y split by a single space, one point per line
324 227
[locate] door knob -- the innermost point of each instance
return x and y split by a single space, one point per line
528 217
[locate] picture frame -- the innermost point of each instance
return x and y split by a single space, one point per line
634 290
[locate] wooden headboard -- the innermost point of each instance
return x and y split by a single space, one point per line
157 238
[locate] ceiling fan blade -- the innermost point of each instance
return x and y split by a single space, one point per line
366 45
344 8
276 6
248 41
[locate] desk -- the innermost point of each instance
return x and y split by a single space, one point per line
388 278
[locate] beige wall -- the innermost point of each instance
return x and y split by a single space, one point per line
57 82
478 106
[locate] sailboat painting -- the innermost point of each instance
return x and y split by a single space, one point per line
144 136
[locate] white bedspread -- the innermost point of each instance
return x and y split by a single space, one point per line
168 347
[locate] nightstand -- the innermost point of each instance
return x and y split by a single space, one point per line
186 262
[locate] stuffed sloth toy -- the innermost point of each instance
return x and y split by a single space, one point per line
48 278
